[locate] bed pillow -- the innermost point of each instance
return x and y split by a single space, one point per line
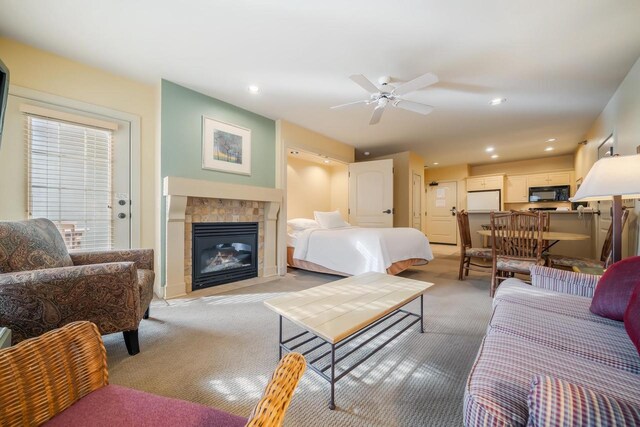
302 224
614 288
632 318
330 219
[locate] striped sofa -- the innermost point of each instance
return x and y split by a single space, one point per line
544 335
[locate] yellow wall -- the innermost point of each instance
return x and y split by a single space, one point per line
315 187
620 118
295 136
45 72
544 164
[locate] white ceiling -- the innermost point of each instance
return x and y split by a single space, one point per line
557 62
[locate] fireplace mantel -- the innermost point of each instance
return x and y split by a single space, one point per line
177 190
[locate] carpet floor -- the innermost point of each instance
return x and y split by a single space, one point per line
220 351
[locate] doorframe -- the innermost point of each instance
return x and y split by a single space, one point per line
426 216
133 120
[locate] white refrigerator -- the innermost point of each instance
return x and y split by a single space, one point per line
483 201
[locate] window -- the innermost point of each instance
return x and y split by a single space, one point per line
70 180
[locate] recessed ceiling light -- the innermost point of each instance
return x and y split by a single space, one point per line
548 149
327 161
497 101
294 152
489 149
551 140
253 89
495 156
436 163
366 153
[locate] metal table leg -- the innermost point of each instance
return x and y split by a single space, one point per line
332 402
421 313
280 340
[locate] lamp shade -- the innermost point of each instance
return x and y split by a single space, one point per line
611 176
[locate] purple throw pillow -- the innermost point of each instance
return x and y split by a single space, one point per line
614 289
632 318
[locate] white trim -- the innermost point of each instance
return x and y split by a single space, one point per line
67 117
134 129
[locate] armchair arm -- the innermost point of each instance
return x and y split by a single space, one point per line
143 258
563 281
553 401
271 408
34 302
43 376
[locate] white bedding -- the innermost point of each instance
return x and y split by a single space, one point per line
355 250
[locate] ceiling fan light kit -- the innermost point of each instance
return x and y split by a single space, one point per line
388 94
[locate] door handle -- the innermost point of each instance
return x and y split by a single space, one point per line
453 211
388 211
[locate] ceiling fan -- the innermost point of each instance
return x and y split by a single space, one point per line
388 94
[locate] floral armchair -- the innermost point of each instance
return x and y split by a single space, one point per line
43 286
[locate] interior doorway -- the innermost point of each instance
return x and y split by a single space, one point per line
441 212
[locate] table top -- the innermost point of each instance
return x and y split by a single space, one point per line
598 271
336 310
550 235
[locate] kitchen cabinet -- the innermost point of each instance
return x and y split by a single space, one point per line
483 183
549 179
516 190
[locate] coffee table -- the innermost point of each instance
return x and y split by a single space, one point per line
338 313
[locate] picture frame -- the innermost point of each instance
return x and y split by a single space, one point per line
225 147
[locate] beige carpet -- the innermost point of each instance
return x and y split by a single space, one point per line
221 350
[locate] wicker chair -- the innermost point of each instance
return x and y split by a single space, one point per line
63 374
516 239
43 286
567 262
468 252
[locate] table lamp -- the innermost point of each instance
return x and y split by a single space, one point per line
612 178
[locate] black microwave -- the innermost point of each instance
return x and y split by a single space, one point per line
556 193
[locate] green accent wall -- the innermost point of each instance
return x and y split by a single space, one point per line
181 142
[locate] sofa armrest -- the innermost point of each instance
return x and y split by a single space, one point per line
566 282
143 258
34 302
553 402
43 376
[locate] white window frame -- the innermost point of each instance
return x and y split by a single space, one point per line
100 112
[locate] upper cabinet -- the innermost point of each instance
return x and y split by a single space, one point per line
516 190
481 183
549 179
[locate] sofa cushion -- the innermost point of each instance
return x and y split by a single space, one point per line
632 318
606 344
114 405
553 402
145 283
518 292
31 245
499 382
612 294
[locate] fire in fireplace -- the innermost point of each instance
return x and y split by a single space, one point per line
224 252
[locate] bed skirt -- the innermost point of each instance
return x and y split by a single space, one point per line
393 269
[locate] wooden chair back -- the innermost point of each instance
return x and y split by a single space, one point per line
463 226
607 246
517 234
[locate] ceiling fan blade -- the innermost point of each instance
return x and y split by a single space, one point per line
417 83
375 117
416 107
350 103
364 83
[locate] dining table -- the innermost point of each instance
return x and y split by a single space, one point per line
550 236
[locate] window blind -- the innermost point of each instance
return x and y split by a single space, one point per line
70 180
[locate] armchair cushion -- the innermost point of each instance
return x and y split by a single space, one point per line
614 289
554 402
112 405
143 258
31 245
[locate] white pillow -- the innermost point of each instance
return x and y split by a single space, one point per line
330 219
302 223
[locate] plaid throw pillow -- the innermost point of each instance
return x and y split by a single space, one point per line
554 402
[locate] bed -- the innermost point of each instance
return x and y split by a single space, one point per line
346 250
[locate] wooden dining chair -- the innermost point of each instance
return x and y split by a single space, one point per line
467 251
516 244
565 262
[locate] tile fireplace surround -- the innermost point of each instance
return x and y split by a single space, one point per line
192 200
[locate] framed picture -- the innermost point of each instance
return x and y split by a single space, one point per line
225 147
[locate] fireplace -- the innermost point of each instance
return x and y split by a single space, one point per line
223 252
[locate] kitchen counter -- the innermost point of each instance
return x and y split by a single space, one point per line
551 212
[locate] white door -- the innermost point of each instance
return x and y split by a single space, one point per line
371 193
441 213
602 224
77 171
416 200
